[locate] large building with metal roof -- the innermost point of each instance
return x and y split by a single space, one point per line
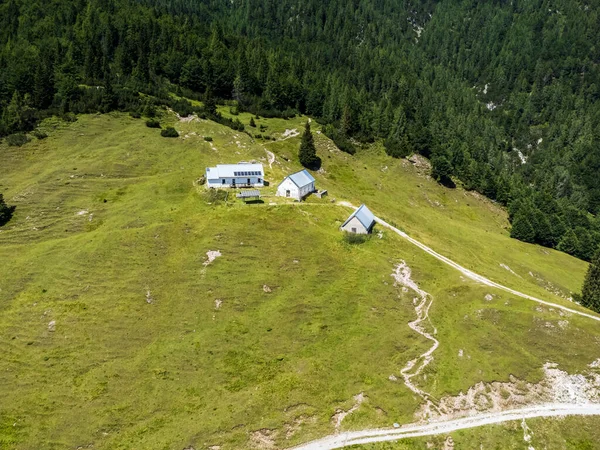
297 185
360 221
235 175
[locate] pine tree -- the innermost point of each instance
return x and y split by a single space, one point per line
43 87
192 75
210 105
569 243
590 293
308 154
109 99
252 122
522 228
441 170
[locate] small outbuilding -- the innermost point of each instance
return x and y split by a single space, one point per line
242 175
360 221
297 185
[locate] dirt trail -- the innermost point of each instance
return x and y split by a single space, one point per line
270 157
433 428
468 273
402 277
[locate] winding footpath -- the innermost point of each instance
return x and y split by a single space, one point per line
402 277
433 428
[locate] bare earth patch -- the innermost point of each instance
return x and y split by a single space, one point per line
263 439
211 255
290 134
556 387
423 301
340 414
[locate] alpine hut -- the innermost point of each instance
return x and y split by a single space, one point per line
360 221
297 185
240 175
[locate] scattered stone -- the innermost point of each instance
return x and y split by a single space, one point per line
218 303
263 439
340 414
266 288
211 255
149 298
52 325
396 425
392 378
489 297
449 443
460 353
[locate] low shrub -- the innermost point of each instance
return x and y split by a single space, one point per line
39 134
169 132
208 138
215 196
152 123
6 211
17 139
340 140
356 239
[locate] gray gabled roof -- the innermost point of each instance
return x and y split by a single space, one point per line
364 216
302 178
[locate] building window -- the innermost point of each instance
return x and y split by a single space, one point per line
223 181
354 230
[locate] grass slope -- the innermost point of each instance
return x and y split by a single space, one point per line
109 241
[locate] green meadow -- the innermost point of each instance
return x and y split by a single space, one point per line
117 333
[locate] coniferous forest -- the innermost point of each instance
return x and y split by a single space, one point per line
503 97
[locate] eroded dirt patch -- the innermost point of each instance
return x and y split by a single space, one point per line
556 387
340 414
211 255
423 301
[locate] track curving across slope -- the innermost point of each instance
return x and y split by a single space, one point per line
442 427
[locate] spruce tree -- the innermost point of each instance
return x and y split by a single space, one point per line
590 293
210 105
441 170
569 243
109 98
522 229
308 154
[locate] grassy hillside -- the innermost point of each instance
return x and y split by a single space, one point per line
116 334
